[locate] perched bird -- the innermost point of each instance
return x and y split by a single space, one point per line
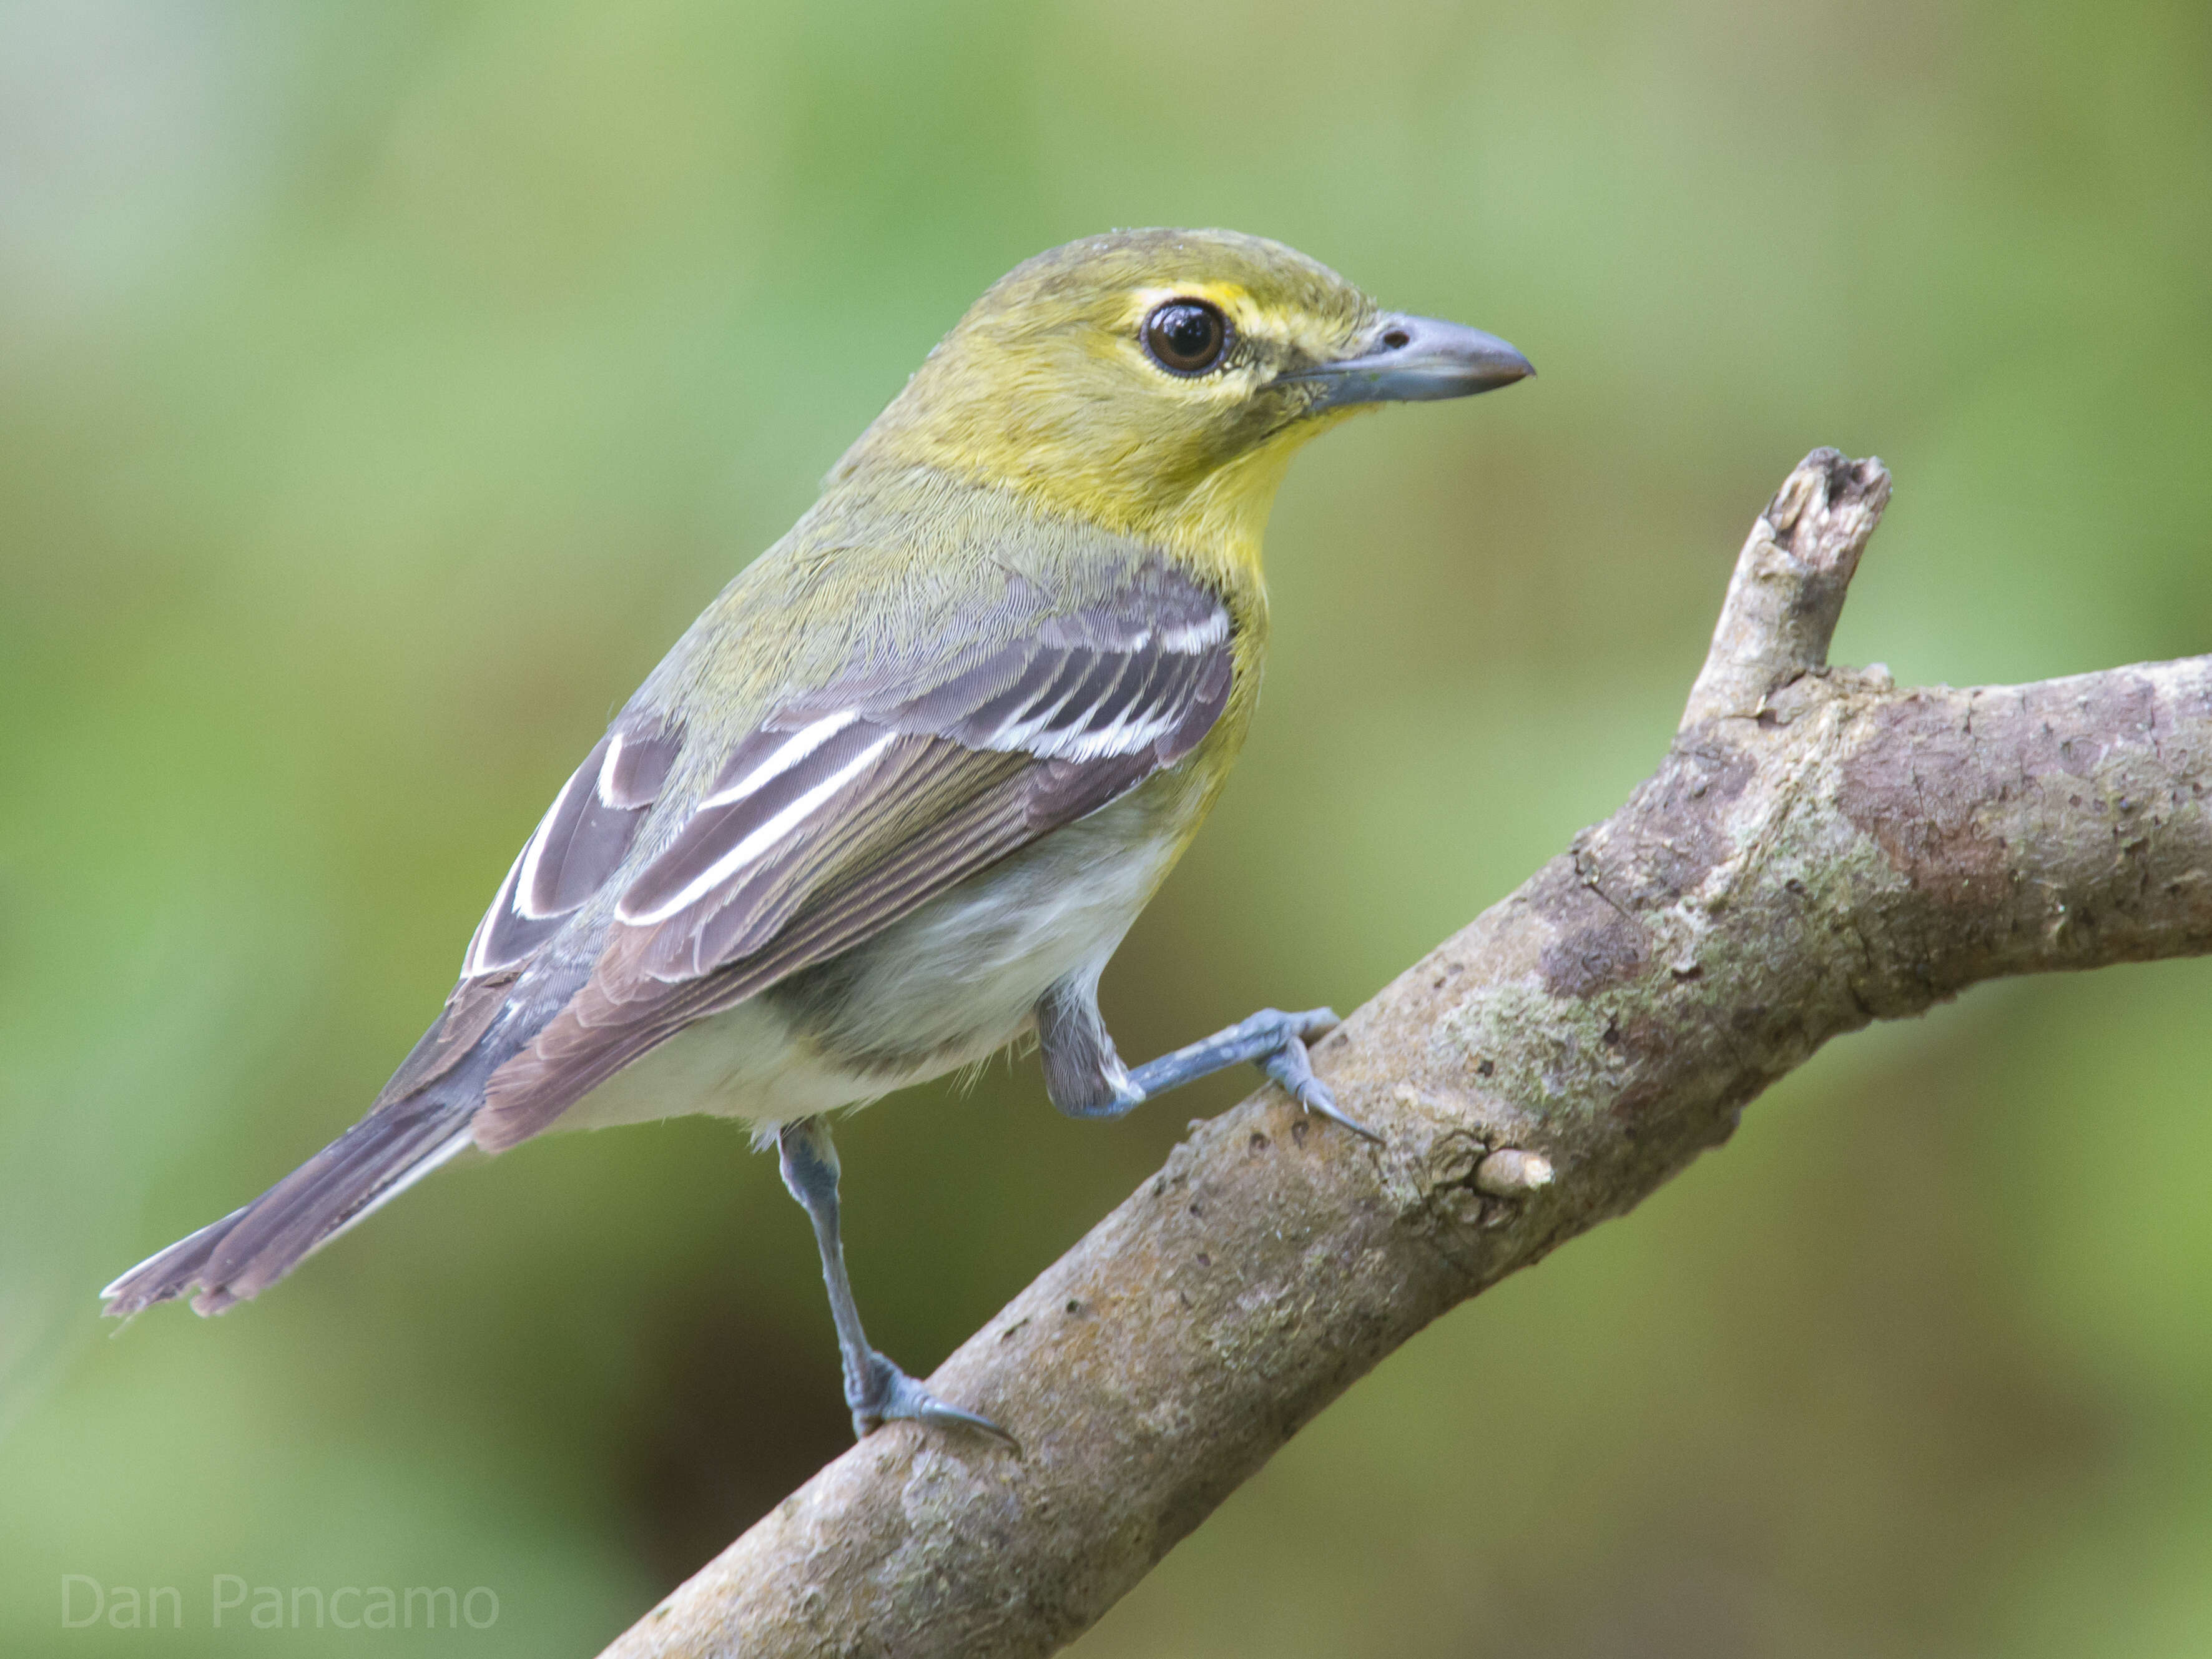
892 803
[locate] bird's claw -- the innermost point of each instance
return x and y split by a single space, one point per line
1290 1066
887 1395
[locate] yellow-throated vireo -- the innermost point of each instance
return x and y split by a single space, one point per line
892 802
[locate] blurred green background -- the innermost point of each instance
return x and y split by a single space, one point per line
383 386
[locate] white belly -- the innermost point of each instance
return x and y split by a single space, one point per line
745 1063
944 987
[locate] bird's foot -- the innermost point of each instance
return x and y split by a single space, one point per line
1289 1064
1272 1039
885 1394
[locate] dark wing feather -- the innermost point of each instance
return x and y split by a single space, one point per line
581 842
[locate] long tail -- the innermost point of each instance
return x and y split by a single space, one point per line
250 1249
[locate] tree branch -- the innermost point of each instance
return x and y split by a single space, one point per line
1817 850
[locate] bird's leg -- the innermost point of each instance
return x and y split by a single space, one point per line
1085 1077
877 1390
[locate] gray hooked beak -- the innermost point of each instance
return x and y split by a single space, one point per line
1413 360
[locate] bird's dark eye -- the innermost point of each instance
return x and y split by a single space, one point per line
1187 337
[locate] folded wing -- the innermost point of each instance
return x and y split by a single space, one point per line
848 809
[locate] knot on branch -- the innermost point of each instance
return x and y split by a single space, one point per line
1789 586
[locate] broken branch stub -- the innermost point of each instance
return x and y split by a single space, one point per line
1789 586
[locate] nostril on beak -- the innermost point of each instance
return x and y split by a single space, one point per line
1397 338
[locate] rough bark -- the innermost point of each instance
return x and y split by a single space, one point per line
1817 850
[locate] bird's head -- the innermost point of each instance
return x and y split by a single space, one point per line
1156 382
